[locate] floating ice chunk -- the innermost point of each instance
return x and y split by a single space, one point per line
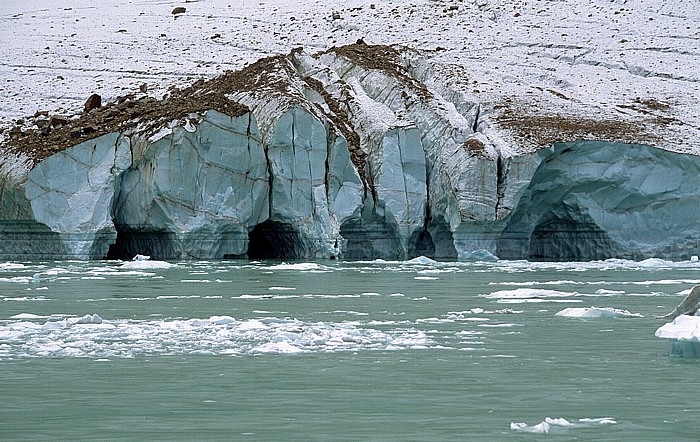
89 319
283 347
141 258
694 258
609 292
655 262
598 421
87 337
222 320
19 279
147 264
541 428
297 266
11 266
549 424
596 312
252 324
684 335
27 316
422 260
522 293
26 298
55 325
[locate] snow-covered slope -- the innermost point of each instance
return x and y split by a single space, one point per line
602 66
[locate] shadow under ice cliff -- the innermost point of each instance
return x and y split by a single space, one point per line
359 152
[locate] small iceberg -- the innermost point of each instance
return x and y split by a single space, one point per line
303 266
143 262
596 312
421 260
683 332
89 319
549 424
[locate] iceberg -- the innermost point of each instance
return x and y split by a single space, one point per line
549 424
683 334
684 331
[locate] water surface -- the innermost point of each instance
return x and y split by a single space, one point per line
245 350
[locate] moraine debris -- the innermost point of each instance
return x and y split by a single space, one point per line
94 101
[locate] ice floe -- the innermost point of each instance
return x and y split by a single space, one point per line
421 260
144 264
526 295
303 266
92 336
549 424
596 312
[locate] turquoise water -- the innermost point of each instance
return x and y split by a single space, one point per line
333 350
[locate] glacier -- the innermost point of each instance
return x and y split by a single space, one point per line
358 152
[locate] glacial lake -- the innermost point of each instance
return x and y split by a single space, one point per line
338 351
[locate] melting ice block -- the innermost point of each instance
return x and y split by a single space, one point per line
684 336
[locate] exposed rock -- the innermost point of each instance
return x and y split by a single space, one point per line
57 120
93 102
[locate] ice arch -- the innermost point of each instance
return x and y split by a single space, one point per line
595 200
275 240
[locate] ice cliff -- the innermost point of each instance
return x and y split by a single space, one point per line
358 152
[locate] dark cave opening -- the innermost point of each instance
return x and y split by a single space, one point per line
435 242
424 245
156 244
275 240
565 239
